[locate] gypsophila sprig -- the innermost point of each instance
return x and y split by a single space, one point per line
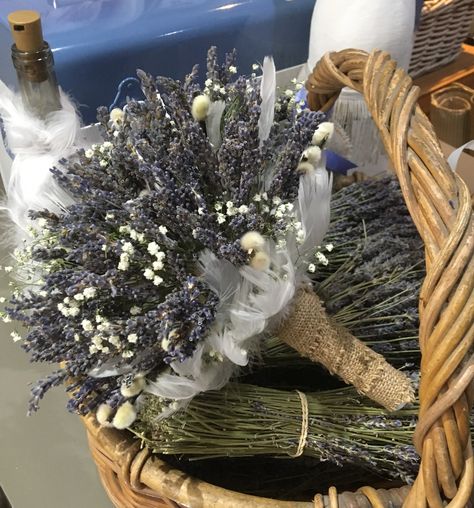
122 283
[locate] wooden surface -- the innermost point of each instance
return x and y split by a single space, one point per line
461 70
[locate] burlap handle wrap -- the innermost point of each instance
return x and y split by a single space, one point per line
311 332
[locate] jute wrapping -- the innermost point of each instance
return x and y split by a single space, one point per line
314 335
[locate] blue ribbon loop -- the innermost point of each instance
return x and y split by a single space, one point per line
128 87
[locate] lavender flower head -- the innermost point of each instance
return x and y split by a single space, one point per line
148 274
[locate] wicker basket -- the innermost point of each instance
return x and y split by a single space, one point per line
440 205
443 27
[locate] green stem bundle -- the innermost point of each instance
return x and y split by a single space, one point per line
246 420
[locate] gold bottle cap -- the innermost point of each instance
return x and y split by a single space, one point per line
26 30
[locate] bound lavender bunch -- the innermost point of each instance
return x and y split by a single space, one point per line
189 235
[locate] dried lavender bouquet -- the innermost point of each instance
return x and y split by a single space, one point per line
190 234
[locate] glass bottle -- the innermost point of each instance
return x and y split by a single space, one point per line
34 64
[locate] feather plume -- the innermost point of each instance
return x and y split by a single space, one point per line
37 145
268 94
314 197
213 123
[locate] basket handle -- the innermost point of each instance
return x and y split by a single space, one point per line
440 205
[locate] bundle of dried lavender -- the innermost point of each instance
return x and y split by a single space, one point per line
241 420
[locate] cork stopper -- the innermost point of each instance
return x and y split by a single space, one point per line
26 30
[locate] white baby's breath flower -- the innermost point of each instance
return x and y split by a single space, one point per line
124 229
141 237
218 206
74 311
127 354
201 210
149 274
255 67
276 200
6 319
8 269
107 145
132 337
311 267
104 247
300 236
289 93
133 234
42 293
127 247
97 340
220 218
165 344
124 261
79 297
87 325
42 222
109 216
265 208
163 230
160 256
322 258
2 299
89 153
233 69
158 265
99 318
102 327
157 280
15 336
103 163
194 233
243 209
77 337
279 214
222 90
93 349
89 292
257 198
153 248
208 82
216 87
135 310
329 247
114 340
299 86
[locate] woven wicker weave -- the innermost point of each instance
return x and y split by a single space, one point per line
444 26
440 205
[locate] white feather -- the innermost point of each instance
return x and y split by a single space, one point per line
37 145
221 276
268 94
314 198
213 123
